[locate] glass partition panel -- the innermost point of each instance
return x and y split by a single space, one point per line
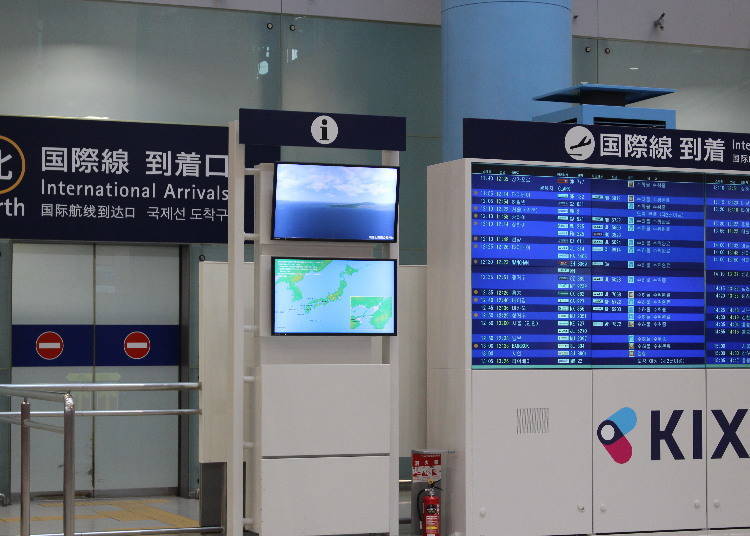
712 82
585 61
137 337
136 62
361 67
53 316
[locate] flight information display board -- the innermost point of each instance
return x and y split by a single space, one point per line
579 268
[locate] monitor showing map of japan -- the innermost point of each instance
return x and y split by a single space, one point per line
334 296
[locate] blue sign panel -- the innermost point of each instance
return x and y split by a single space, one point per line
616 146
312 129
137 345
52 345
69 179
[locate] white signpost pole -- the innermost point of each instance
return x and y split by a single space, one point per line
237 293
391 356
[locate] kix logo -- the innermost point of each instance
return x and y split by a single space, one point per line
612 431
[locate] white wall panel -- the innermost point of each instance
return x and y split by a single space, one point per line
413 11
585 17
697 22
531 467
728 476
312 496
213 355
325 410
645 494
270 6
721 23
412 323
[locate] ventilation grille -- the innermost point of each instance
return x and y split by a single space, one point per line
617 122
532 420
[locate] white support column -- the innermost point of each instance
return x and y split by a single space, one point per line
237 292
391 356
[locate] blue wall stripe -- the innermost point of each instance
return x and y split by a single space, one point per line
110 351
77 350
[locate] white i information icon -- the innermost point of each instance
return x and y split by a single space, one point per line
324 129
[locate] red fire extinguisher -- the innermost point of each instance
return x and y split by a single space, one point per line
429 511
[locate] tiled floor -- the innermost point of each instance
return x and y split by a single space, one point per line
110 514
104 514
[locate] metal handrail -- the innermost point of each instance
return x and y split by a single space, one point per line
24 392
60 392
68 430
15 418
70 387
104 413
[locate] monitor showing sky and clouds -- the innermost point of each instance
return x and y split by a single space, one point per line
322 202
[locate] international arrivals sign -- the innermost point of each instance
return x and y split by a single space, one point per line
614 146
71 179
110 181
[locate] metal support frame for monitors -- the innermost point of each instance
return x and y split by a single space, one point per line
386 347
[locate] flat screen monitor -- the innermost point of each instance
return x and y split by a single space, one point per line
334 296
609 268
335 203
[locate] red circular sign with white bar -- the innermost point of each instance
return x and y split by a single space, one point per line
137 345
49 345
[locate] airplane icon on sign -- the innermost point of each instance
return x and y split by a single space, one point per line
586 141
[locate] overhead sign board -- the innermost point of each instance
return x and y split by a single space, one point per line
314 129
111 181
616 146
72 179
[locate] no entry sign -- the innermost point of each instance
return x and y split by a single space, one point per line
49 345
137 345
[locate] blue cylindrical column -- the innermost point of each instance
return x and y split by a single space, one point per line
497 56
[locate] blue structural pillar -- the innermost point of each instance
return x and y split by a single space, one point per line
497 56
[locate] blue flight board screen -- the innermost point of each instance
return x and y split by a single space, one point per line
580 268
334 296
335 202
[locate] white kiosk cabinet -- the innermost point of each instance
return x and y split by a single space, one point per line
543 362
522 438
308 425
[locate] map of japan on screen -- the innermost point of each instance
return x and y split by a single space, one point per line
581 268
326 202
334 296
